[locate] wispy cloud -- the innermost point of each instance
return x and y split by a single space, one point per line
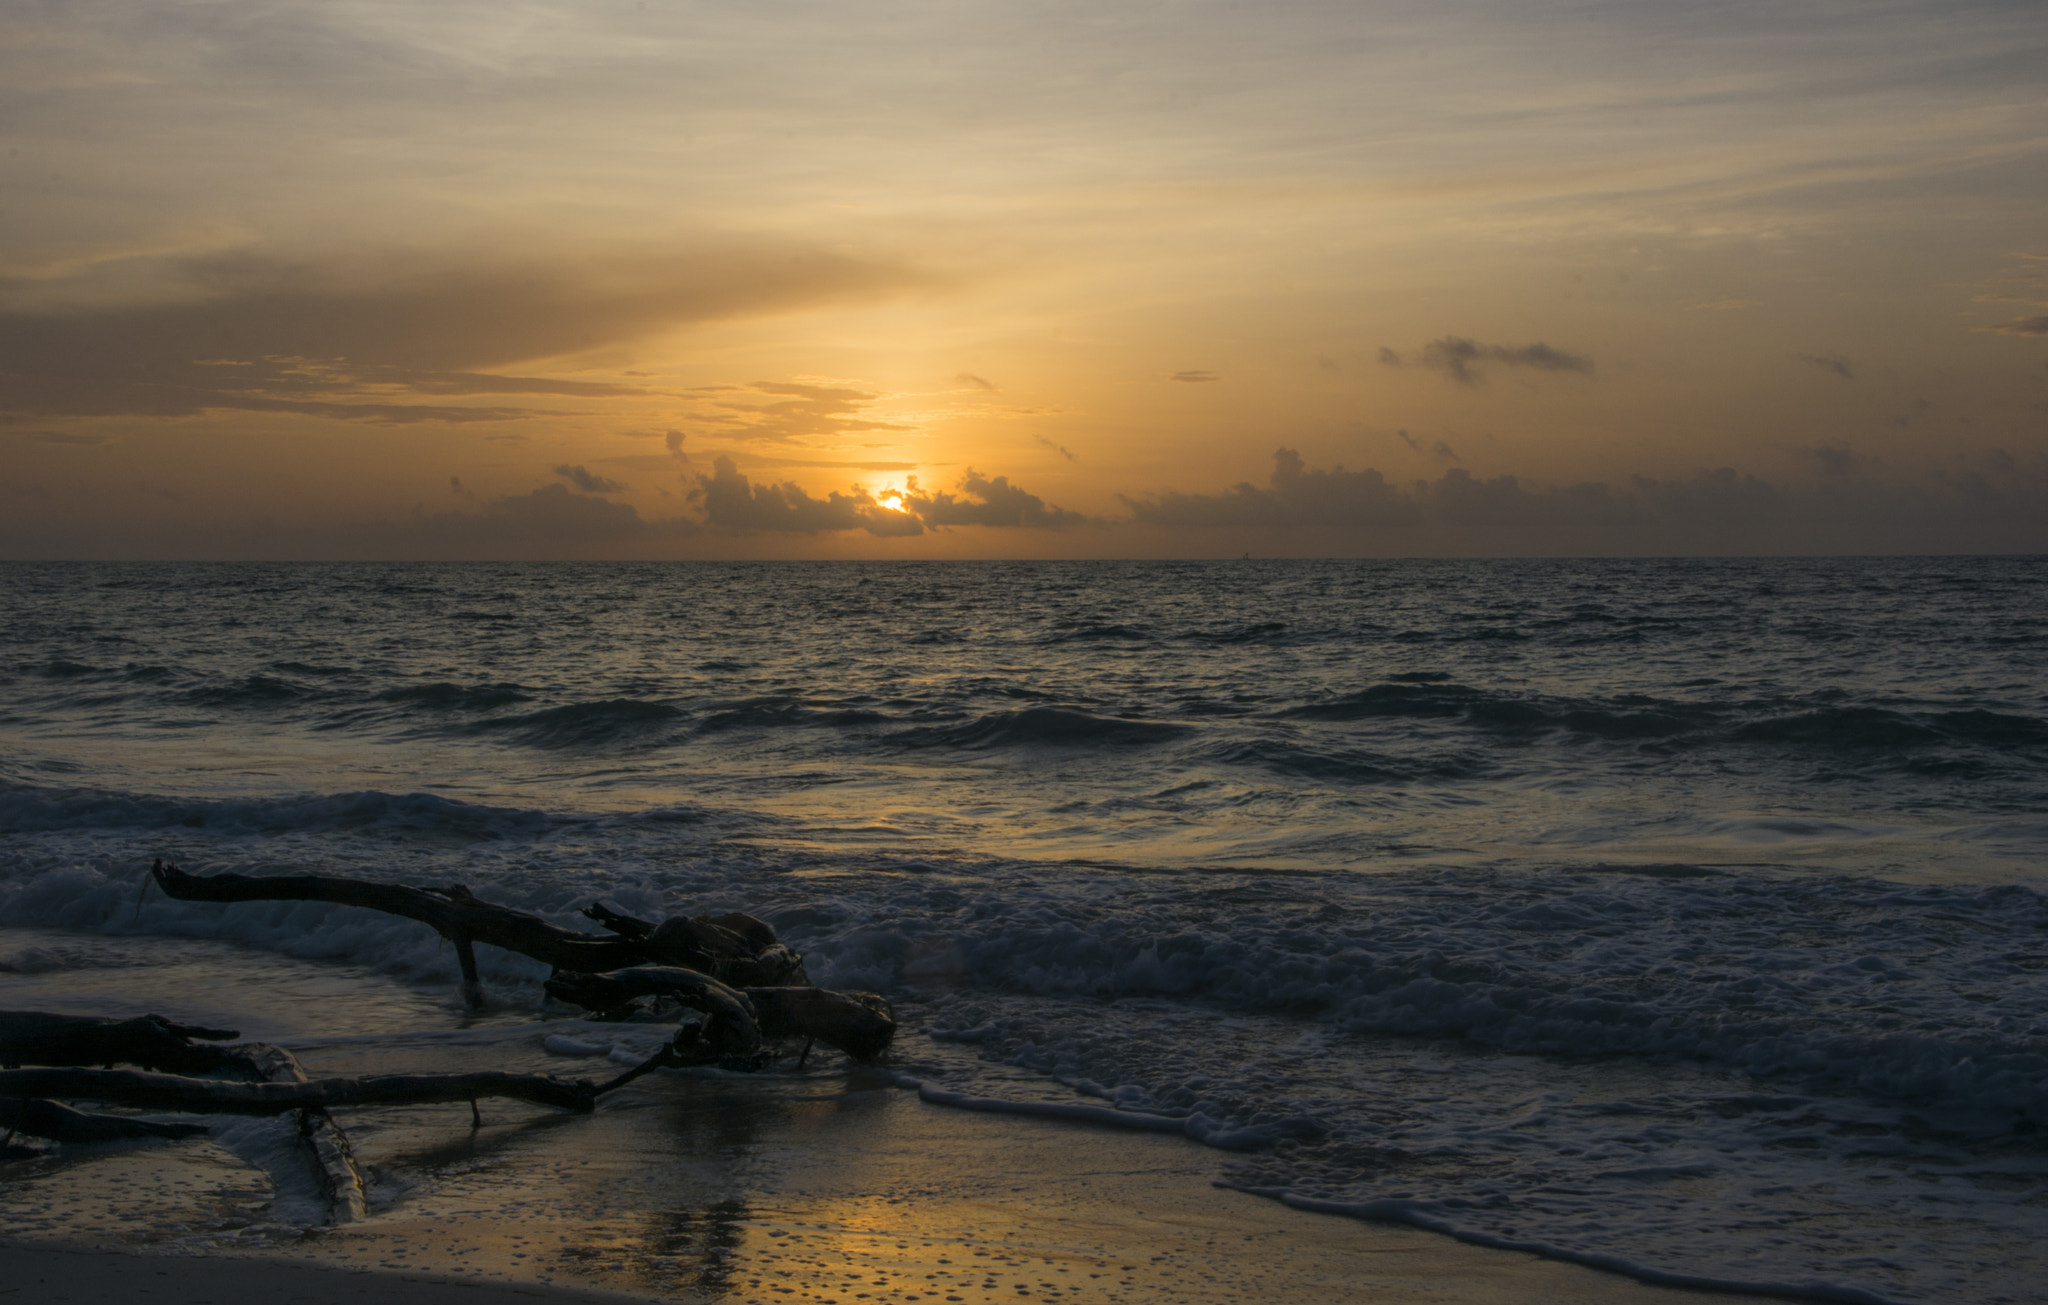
1195 377
389 344
2023 326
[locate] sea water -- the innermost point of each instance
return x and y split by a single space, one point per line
1682 916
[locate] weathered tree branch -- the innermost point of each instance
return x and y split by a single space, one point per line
58 1123
731 1030
30 1037
326 1147
860 1024
735 948
175 1092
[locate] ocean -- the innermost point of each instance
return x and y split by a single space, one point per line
1682 916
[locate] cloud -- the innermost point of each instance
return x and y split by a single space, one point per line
1294 496
1388 357
2024 326
1996 503
1060 449
1832 460
994 502
973 382
731 503
674 440
365 341
587 482
803 414
1828 362
1195 377
1465 361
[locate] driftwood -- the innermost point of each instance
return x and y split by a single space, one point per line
151 1042
732 948
38 1118
322 1143
198 1096
737 1020
748 987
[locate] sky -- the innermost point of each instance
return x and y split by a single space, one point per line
968 278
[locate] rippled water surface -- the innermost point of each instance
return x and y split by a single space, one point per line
1687 914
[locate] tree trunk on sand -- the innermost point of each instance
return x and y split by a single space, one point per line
860 1024
30 1037
324 1145
38 1118
733 947
175 1092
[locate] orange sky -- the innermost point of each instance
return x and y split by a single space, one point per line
976 279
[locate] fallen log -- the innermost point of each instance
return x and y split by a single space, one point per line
730 1032
743 949
860 1024
323 1145
732 946
30 1037
174 1092
60 1123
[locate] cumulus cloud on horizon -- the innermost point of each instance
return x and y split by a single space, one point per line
731 502
1992 503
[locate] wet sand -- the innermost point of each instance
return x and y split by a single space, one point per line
830 1192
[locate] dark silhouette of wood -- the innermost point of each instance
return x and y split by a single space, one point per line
861 1024
47 1119
737 1020
30 1037
734 948
174 1092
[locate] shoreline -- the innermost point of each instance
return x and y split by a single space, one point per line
859 1197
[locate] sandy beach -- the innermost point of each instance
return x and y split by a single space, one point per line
828 1192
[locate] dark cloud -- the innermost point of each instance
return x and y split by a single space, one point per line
730 502
361 342
1828 362
972 381
1995 504
1388 357
1833 460
988 502
2024 326
1295 496
674 440
1195 377
1060 449
1465 361
588 483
